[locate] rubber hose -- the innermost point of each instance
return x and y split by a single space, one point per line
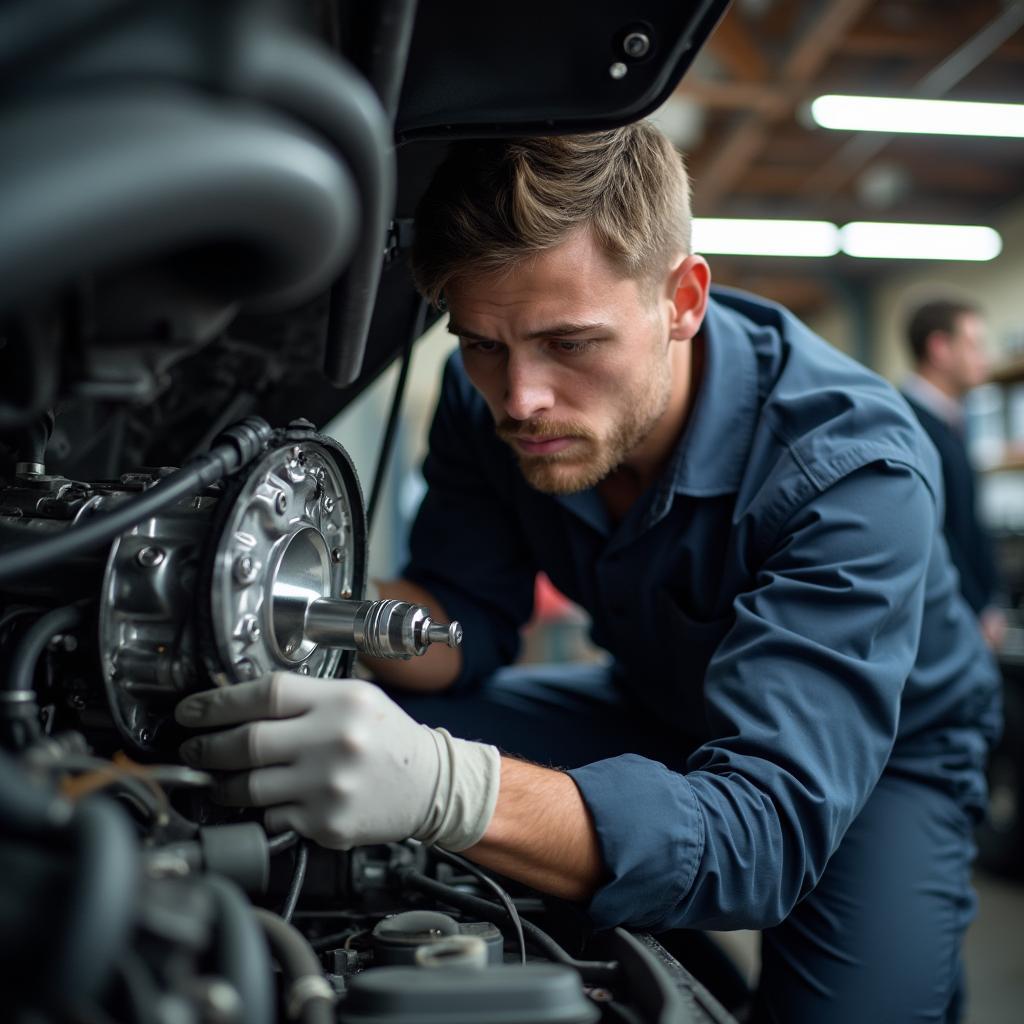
242 955
300 967
101 906
327 93
39 363
33 643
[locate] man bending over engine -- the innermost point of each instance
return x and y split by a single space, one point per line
791 733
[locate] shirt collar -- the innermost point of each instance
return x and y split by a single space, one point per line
711 455
937 402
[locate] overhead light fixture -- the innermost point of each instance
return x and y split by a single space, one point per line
880 240
744 237
921 117
739 236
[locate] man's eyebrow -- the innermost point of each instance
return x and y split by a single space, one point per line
461 332
562 330
567 329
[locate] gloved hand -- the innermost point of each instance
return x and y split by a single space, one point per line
338 761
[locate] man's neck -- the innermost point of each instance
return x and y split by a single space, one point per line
940 382
623 487
927 394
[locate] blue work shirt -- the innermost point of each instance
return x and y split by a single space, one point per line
782 598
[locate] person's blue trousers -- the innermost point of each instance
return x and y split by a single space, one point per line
877 941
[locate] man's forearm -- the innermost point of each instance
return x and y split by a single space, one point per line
541 833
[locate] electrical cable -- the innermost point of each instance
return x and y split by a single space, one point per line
388 440
307 996
594 972
510 907
243 442
335 939
298 878
282 842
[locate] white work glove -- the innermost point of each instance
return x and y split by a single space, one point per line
338 761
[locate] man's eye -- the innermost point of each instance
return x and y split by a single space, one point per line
572 348
479 346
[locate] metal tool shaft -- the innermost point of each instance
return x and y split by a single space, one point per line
381 629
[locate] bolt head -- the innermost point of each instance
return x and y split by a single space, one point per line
636 44
280 503
150 557
249 629
303 669
336 555
245 569
328 503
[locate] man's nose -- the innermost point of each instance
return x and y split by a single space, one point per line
528 391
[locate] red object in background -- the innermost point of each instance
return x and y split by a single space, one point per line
549 603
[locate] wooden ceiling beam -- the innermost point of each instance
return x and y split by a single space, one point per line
774 180
805 59
730 95
734 47
876 42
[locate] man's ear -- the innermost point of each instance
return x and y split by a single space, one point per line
687 290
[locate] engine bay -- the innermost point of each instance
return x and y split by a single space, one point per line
128 893
203 260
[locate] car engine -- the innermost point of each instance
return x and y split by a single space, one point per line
205 227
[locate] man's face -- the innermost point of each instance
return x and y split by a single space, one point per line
574 361
968 359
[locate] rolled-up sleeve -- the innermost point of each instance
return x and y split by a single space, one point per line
466 546
803 697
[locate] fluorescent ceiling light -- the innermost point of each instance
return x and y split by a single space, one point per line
875 240
924 117
744 237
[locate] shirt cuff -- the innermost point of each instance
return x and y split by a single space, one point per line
651 833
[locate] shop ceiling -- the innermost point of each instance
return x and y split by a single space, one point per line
741 117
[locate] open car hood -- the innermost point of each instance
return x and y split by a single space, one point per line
530 68
212 187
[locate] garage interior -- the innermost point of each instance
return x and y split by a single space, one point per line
271 329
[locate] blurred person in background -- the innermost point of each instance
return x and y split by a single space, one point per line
947 347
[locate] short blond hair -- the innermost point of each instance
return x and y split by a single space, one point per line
493 203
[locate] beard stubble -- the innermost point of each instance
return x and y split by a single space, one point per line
592 458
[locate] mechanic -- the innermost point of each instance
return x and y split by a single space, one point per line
791 733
